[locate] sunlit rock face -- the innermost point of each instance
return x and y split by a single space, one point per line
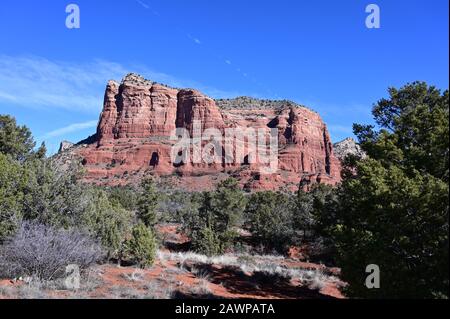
136 135
346 147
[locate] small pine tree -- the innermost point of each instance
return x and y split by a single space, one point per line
227 204
16 141
207 242
219 213
12 182
141 247
147 203
41 151
270 219
108 221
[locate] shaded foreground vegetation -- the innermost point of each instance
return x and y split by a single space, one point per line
391 209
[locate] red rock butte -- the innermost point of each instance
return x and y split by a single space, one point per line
133 138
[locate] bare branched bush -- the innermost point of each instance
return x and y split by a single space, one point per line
43 252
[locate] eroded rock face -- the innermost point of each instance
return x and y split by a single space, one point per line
139 117
137 108
195 106
64 146
346 147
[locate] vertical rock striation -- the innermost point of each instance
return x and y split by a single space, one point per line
139 116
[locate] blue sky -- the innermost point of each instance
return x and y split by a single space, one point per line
318 53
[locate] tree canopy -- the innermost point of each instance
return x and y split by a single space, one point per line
392 207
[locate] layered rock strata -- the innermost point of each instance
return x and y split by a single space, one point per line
137 134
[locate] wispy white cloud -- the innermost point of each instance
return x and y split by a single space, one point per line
228 62
143 4
194 39
40 83
43 84
6 96
147 6
70 129
36 82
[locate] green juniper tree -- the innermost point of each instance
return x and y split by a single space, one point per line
107 221
17 141
270 219
216 217
392 207
148 202
141 247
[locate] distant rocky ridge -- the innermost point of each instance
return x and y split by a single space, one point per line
65 145
245 102
138 119
346 147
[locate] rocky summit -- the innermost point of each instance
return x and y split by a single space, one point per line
136 130
346 147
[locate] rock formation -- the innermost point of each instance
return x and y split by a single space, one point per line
64 145
346 147
135 137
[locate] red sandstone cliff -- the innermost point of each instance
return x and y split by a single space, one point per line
134 132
